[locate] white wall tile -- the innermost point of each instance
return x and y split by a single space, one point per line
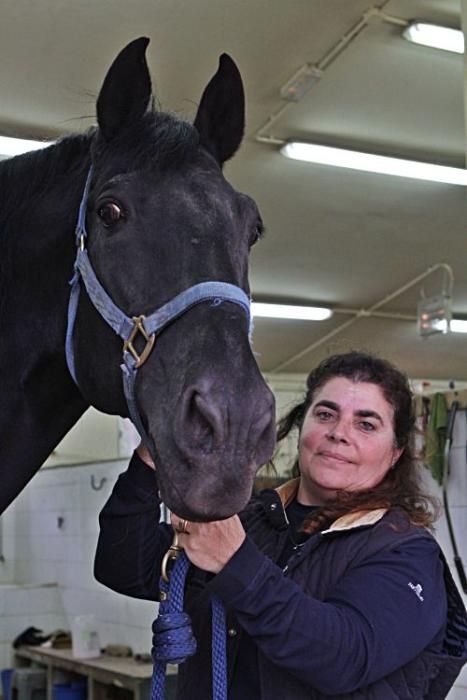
9 520
7 571
140 639
16 601
89 523
459 434
24 544
457 485
71 524
8 543
88 544
23 571
46 599
90 499
23 523
44 570
79 601
459 521
141 613
110 633
110 608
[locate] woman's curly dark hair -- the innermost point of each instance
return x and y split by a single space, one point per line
401 487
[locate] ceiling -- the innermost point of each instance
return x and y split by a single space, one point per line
334 237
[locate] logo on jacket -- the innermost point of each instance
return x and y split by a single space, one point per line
417 589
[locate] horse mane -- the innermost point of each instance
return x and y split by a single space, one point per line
27 176
159 140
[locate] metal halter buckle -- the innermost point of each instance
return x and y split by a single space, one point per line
150 340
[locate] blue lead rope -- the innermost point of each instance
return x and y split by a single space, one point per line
173 640
219 651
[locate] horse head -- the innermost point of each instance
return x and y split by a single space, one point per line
161 218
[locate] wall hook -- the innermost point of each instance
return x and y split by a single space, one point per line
97 486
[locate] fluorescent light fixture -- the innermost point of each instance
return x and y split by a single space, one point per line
14 147
302 313
458 326
433 35
385 165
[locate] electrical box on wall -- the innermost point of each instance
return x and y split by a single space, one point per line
434 315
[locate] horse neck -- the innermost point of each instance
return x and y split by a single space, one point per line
40 403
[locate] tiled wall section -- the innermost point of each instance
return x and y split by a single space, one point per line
50 534
25 606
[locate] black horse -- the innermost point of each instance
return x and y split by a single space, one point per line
160 218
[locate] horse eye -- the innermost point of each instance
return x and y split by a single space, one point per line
110 213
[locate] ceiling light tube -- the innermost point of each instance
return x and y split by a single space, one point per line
458 326
370 163
14 147
302 313
435 36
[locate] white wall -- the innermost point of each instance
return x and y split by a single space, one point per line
26 606
94 438
38 550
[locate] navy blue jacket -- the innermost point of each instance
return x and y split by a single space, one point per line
366 609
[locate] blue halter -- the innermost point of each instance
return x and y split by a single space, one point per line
129 328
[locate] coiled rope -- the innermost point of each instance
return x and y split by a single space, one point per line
173 640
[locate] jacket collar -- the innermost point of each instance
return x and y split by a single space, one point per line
358 518
288 491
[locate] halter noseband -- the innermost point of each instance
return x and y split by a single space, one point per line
129 328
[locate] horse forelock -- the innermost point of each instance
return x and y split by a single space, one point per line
158 141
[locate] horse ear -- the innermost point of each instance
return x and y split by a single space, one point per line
220 119
126 90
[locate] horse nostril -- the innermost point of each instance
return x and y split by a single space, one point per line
202 421
207 423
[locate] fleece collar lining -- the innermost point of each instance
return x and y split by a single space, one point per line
288 491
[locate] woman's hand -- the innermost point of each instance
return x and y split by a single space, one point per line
209 546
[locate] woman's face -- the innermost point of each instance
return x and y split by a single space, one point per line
347 441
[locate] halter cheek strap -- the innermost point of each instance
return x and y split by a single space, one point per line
130 328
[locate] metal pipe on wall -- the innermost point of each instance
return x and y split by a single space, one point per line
365 313
263 134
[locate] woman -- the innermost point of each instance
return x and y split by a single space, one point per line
333 585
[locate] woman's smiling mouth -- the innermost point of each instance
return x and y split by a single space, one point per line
333 455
